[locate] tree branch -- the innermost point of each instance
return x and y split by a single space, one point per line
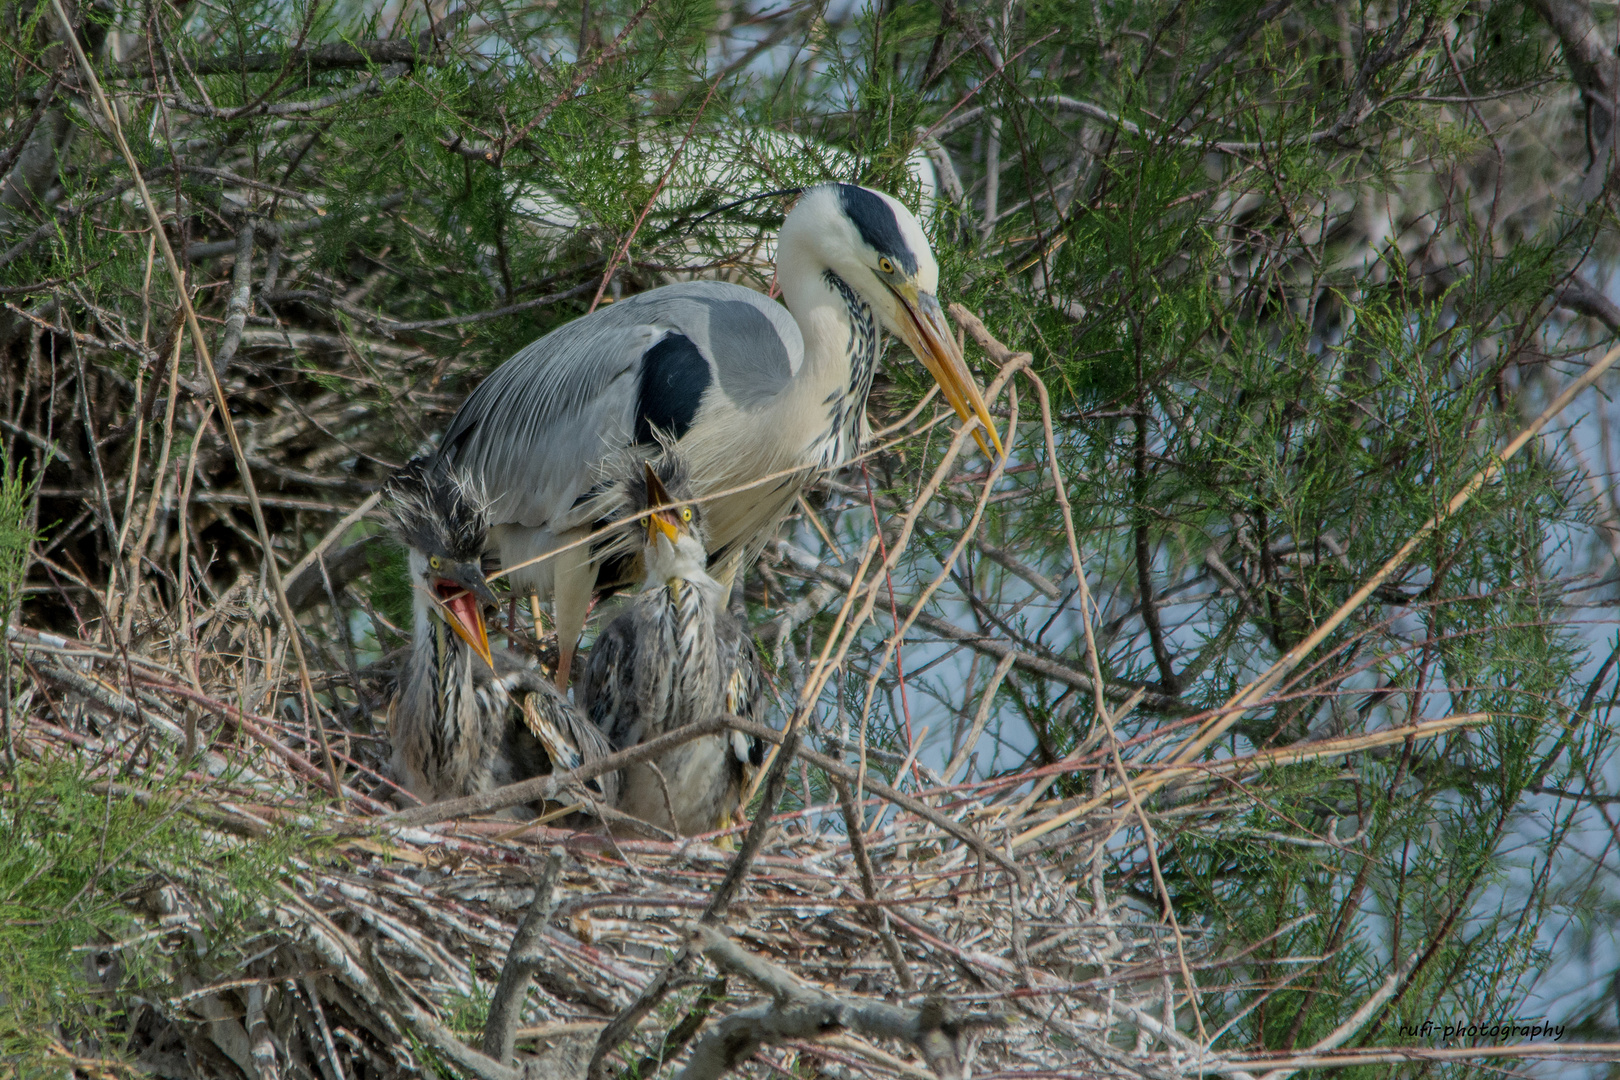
799 1010
506 1006
622 1025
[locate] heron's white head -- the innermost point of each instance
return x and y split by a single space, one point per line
878 248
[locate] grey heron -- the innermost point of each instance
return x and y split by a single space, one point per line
466 720
748 390
676 655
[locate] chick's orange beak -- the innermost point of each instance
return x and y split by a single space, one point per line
466 611
658 521
929 336
662 523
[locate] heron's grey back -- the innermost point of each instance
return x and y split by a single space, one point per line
535 432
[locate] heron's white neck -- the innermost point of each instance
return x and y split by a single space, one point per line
842 338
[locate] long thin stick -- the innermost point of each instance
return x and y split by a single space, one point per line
1158 775
205 360
1240 702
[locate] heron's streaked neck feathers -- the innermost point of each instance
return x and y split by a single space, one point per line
842 337
686 561
433 643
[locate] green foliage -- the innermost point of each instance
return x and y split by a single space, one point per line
16 505
83 863
390 585
16 502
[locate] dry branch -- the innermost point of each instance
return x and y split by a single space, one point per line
801 1011
506 1006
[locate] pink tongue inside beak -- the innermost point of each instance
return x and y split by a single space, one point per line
465 609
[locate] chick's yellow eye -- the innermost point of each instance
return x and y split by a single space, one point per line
686 513
886 266
434 562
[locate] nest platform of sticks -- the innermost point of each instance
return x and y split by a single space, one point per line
880 934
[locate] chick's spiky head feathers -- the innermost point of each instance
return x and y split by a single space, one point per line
435 512
670 472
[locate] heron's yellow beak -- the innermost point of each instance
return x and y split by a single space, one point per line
467 620
929 336
662 523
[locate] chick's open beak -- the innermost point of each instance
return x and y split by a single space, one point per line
662 522
463 596
929 336
658 521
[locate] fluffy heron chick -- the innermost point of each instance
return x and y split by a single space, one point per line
673 657
466 720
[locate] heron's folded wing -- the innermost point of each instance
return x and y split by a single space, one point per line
567 737
533 434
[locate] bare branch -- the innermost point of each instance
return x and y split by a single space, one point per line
801 1011
506 1005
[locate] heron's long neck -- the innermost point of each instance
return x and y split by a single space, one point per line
678 572
441 673
841 342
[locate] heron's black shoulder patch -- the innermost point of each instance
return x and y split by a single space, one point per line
674 375
874 219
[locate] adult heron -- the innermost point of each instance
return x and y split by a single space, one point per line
466 720
675 656
747 389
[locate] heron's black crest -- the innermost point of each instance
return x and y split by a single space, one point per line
874 219
435 513
674 375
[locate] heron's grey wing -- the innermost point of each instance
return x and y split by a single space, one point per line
531 434
745 684
534 433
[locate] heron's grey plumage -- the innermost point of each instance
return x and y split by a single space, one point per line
538 432
458 725
755 395
676 656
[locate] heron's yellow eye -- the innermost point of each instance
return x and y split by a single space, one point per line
686 513
433 562
886 266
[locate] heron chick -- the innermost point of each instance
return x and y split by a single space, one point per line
466 720
674 657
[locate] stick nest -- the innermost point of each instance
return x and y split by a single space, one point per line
378 955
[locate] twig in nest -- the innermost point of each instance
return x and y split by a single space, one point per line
799 1010
506 1007
425 1027
681 1034
863 861
624 1023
